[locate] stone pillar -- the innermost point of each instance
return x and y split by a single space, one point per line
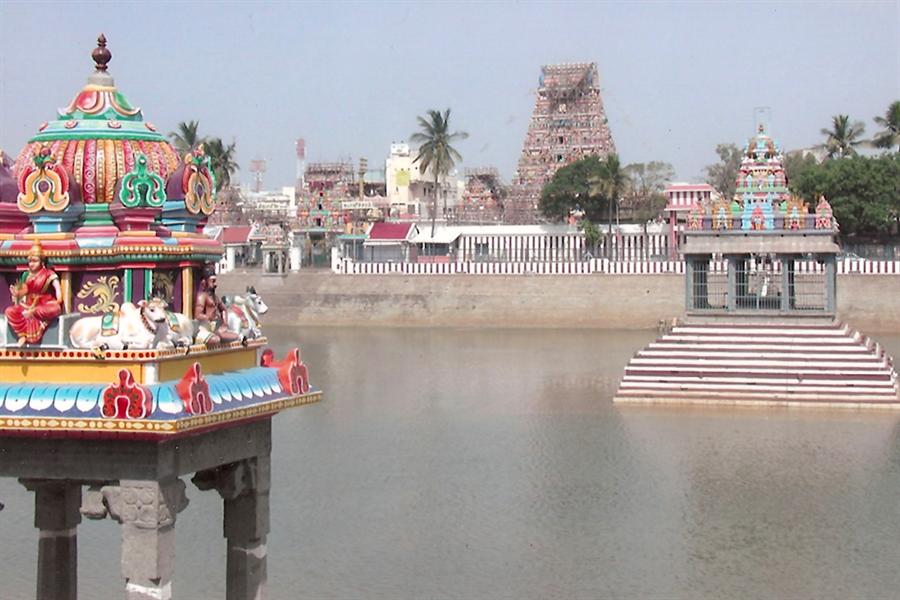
244 486
831 283
732 283
146 511
787 282
56 504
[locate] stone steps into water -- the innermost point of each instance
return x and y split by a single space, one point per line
755 364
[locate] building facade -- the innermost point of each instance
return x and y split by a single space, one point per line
568 123
410 191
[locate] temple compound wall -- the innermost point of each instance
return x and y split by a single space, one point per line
567 301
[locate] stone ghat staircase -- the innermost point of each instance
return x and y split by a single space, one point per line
770 365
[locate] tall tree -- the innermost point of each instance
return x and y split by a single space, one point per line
843 137
864 192
436 151
221 158
723 174
796 162
571 186
187 137
890 122
647 184
611 182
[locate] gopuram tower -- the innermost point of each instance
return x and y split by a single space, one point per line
568 123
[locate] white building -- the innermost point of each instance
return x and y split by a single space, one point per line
276 204
409 190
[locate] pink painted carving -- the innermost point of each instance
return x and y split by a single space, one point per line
126 399
194 391
292 373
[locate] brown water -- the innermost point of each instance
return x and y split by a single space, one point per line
492 464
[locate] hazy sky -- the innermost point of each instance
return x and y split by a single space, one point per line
676 78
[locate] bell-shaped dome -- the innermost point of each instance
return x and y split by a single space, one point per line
98 135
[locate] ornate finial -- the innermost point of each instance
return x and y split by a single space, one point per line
101 54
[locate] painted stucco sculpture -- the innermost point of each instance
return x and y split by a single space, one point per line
36 300
112 309
760 322
108 395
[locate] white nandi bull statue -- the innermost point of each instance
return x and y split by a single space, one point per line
242 314
140 326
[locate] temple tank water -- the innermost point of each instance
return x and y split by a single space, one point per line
463 463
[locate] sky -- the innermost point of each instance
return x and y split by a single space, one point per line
677 78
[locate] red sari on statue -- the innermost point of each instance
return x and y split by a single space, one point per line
41 300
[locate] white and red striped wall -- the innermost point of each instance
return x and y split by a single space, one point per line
348 266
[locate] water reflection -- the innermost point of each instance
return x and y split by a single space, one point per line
492 464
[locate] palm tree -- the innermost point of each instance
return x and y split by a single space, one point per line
610 183
187 137
221 158
843 136
890 137
435 150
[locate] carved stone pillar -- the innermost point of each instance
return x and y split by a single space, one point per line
56 515
146 510
244 486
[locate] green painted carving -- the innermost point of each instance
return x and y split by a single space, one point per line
142 188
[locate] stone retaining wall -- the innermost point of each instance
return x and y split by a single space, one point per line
870 303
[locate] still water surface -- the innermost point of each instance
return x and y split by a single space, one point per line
492 464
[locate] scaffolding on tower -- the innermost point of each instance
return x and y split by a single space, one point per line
568 124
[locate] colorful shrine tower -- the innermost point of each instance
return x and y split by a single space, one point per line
568 123
483 197
760 307
121 370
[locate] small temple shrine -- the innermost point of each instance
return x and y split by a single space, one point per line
121 367
760 306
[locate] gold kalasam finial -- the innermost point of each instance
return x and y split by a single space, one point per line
101 54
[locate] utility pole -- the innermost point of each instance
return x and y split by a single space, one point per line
363 167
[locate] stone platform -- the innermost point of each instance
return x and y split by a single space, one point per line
773 364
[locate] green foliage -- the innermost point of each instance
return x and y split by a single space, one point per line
221 157
646 197
435 150
843 137
890 122
864 192
187 137
592 234
612 180
795 162
591 184
723 174
572 186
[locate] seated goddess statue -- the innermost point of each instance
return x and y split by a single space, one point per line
36 300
